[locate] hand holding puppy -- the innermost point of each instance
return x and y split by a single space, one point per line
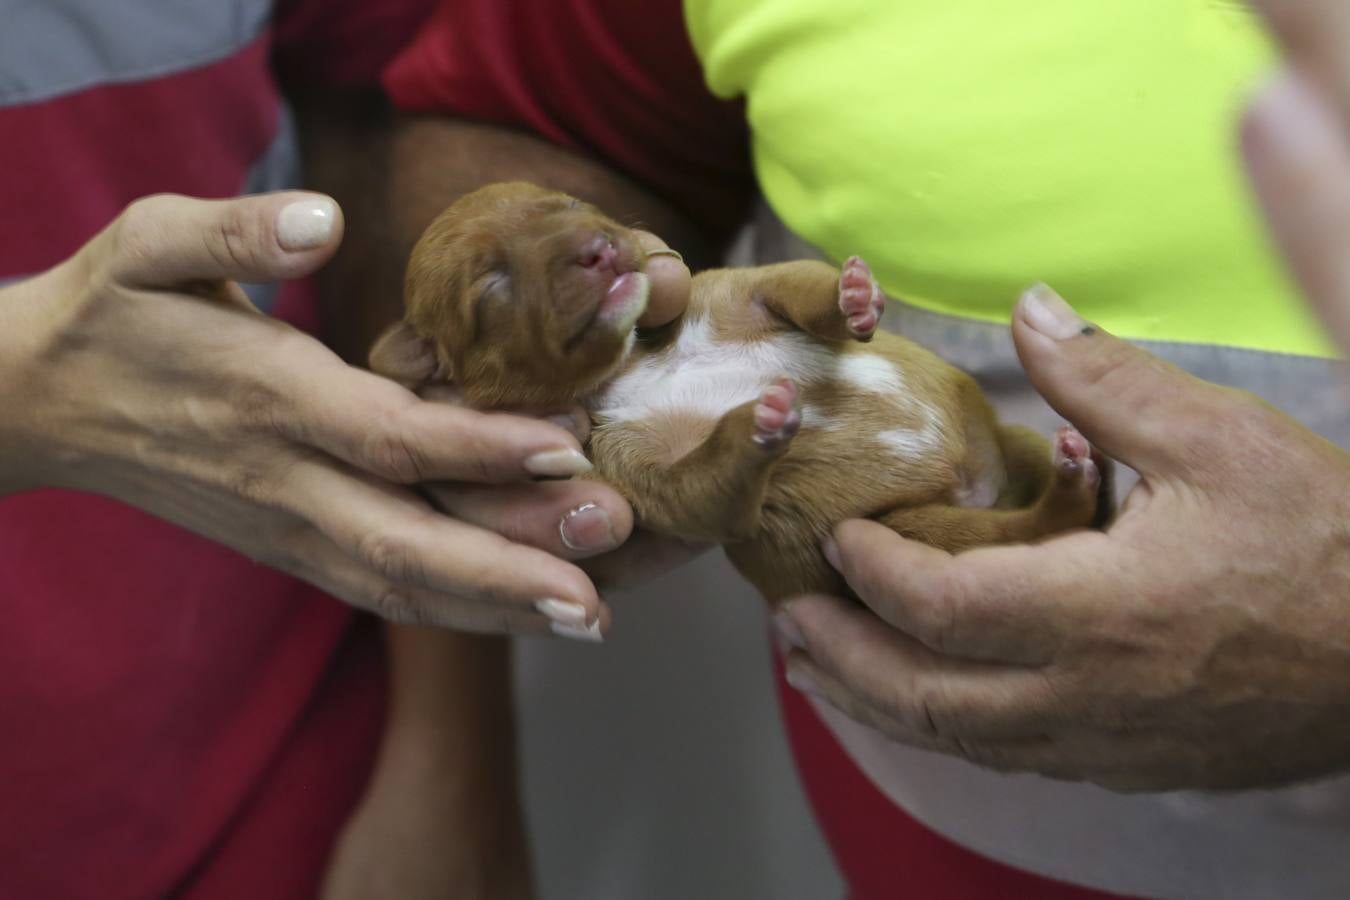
138 369
1202 642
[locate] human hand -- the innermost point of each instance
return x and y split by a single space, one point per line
670 281
1203 641
1296 141
138 369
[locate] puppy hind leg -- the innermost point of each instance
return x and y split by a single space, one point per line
1071 479
716 491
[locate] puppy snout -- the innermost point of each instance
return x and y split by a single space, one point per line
598 253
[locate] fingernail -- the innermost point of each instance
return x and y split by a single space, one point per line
665 251
562 463
1046 312
589 633
306 224
562 612
587 528
788 630
803 682
830 547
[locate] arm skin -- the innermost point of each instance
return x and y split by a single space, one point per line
1296 140
447 767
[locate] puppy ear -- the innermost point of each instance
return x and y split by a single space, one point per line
406 356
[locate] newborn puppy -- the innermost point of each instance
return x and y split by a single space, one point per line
771 410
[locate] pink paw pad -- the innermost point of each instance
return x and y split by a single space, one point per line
1075 459
777 415
860 298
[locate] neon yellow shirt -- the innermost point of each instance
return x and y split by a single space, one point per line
967 148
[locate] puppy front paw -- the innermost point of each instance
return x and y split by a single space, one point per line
860 299
778 414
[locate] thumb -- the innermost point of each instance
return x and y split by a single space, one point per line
1126 401
166 240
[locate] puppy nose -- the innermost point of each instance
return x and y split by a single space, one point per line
597 254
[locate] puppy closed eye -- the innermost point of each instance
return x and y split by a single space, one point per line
496 282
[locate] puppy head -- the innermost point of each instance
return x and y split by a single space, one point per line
524 297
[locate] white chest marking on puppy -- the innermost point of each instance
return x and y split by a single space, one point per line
869 372
709 377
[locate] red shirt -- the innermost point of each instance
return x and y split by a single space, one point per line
177 719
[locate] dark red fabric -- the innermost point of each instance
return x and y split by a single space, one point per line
68 166
612 78
343 43
883 853
177 720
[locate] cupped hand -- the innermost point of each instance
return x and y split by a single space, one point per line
138 369
1202 642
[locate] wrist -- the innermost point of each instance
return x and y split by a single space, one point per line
28 333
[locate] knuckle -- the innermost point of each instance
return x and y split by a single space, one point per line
936 620
257 405
390 453
478 453
231 243
929 715
519 525
396 606
134 234
252 484
390 555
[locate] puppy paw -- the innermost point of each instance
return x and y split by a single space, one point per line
860 299
1078 495
778 414
1075 461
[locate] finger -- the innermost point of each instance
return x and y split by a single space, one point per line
575 421
571 519
1135 407
1125 763
383 429
645 555
1314 35
1002 754
395 534
1298 157
166 240
316 559
930 695
670 283
1015 604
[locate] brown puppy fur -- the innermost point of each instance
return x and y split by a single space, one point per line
771 410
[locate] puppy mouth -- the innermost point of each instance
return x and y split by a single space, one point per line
617 310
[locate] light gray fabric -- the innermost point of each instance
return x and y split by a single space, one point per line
54 47
655 766
1291 844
